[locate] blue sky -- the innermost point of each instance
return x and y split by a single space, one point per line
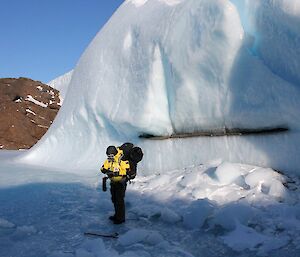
43 39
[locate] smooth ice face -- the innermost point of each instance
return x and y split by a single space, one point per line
163 67
278 27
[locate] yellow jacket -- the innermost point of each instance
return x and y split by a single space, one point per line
116 169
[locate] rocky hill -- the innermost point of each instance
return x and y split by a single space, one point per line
27 110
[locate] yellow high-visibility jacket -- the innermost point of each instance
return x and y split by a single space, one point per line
116 168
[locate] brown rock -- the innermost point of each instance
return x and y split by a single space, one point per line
27 109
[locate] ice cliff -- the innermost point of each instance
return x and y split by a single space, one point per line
164 67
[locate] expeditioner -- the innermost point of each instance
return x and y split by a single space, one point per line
120 167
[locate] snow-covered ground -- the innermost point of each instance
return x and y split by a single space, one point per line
216 209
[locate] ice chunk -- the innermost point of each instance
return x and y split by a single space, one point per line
227 194
243 238
197 213
191 179
6 224
259 176
227 173
228 216
170 216
277 189
153 238
134 236
268 181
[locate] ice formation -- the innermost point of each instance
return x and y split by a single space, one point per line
163 67
61 84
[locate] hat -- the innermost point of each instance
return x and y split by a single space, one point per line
111 150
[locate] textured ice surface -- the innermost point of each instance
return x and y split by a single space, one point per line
45 213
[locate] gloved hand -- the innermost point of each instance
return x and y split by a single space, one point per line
110 174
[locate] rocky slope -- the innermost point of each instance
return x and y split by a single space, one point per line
27 110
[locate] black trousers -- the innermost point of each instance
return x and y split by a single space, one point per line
117 190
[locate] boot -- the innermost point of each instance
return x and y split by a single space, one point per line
118 221
112 217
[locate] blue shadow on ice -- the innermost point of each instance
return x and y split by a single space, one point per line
45 218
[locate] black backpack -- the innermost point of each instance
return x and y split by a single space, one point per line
136 154
126 148
133 154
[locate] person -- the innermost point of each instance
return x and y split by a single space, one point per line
120 167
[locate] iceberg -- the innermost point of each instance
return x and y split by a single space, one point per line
167 67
